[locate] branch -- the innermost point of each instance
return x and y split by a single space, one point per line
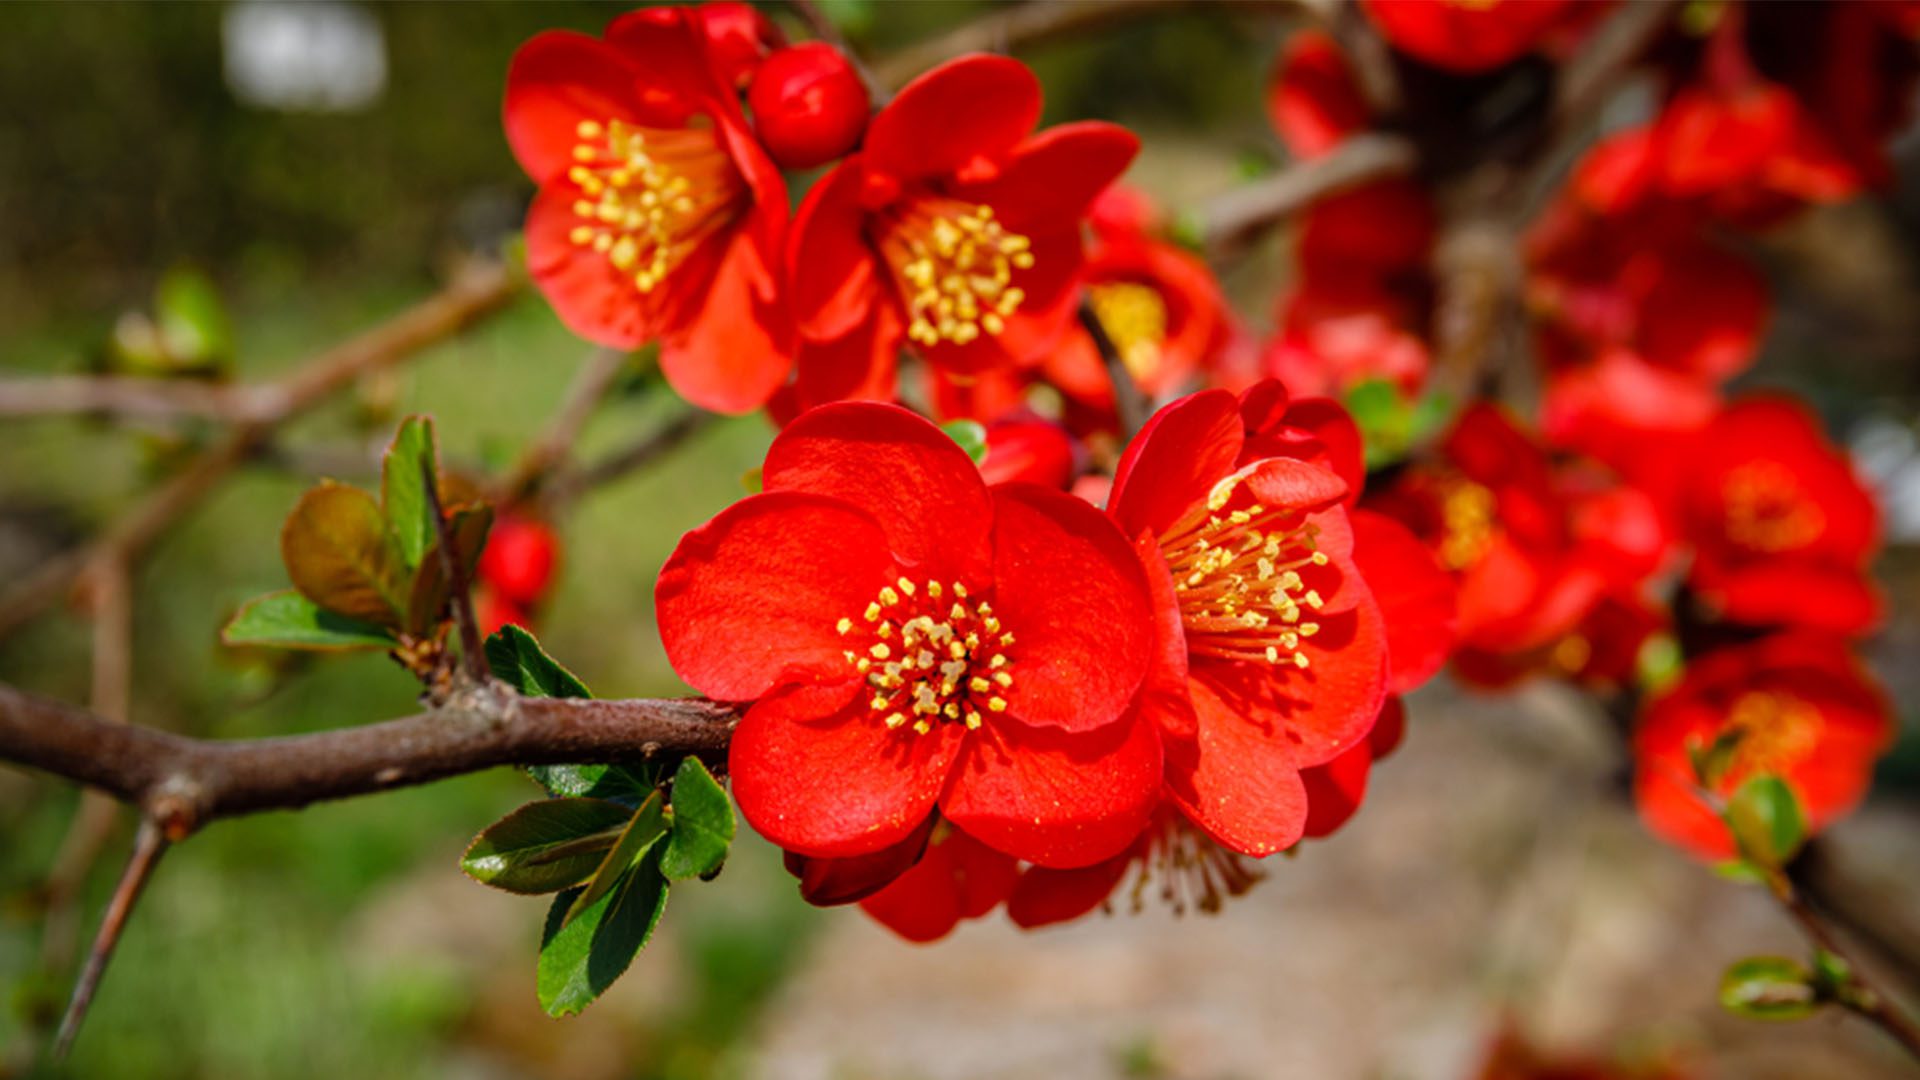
148 845
571 485
1026 24
475 292
1230 220
1859 995
183 782
1129 404
591 384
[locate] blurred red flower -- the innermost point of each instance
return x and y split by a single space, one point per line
659 217
1467 36
519 558
911 639
1803 710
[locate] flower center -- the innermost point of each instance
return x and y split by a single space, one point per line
649 196
1466 521
929 656
953 265
1237 577
1192 870
1777 731
1135 317
1767 511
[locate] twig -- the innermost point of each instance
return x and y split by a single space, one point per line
1129 404
1025 24
571 485
474 293
148 845
1858 994
457 595
184 782
93 823
1823 883
590 386
1229 220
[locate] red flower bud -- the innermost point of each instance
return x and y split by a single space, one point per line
518 560
809 105
739 36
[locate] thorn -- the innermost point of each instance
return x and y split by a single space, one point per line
148 845
471 653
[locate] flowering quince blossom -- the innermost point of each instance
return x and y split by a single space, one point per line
515 570
1800 707
910 638
1271 649
1782 528
953 226
659 216
1532 547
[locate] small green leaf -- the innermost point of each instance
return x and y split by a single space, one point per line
1766 821
546 846
403 490
1742 871
1711 761
1832 975
340 556
1768 988
703 824
647 825
581 956
971 436
193 321
518 660
291 621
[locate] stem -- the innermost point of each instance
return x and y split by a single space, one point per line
148 845
1860 995
1129 404
458 595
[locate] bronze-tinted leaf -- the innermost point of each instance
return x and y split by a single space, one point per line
340 555
429 593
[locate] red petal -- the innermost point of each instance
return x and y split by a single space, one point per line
750 600
1054 798
736 353
1234 781
557 79
1053 178
916 482
830 882
1312 99
1180 453
1335 790
831 270
1415 595
1070 589
974 107
670 53
959 878
1042 897
816 773
593 299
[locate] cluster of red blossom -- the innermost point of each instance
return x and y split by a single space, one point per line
1021 683
515 571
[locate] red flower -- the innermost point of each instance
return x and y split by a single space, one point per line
1030 450
519 558
911 639
1340 330
1172 857
1467 36
1272 654
1781 526
1533 547
659 218
1803 710
955 220
1313 100
957 878
1160 305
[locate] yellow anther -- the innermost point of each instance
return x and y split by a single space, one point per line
873 612
844 625
879 651
895 720
1004 679
888 596
906 586
933 590
979 685
997 704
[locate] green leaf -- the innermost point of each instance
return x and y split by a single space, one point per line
581 956
1832 975
518 660
1766 821
643 829
546 846
339 555
192 319
703 824
290 621
971 436
1768 988
403 488
1711 761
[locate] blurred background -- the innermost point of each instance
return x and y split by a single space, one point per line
304 170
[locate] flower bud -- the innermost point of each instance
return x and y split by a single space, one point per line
518 560
809 105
